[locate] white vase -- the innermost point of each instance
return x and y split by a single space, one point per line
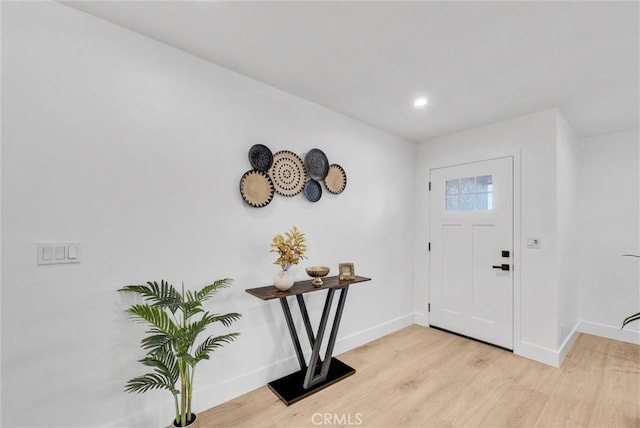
283 280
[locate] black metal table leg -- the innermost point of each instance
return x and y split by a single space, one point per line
334 334
294 334
305 318
305 382
310 379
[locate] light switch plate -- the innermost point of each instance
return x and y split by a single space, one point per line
53 253
60 252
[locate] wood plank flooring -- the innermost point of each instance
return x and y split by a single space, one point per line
422 377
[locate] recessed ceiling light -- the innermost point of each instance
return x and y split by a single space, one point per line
420 102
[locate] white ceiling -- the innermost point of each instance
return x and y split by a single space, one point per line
477 62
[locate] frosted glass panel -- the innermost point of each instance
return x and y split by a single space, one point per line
452 187
482 202
452 203
470 193
467 202
467 185
484 184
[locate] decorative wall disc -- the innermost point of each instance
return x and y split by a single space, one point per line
313 190
317 164
256 188
336 180
260 157
287 173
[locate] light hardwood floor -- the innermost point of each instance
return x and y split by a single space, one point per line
421 377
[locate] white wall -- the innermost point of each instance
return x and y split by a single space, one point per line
1 98
136 149
531 140
607 283
567 263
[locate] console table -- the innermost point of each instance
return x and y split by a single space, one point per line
318 374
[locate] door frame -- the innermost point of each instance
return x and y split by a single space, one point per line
517 239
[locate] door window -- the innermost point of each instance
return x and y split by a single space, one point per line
469 194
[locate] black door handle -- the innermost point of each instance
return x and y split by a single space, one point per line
502 267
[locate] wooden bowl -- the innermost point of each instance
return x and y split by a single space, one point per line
317 272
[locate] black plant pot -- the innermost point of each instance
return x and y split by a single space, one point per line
191 423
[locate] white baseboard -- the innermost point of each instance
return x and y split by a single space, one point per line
365 336
221 392
259 377
610 332
568 344
550 357
555 357
421 319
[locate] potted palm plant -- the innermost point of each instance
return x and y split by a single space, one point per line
175 320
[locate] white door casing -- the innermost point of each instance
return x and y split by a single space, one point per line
470 226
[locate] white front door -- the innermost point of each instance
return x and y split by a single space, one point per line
471 231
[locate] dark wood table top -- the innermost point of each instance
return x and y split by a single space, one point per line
300 287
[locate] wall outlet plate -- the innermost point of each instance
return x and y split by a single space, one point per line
534 243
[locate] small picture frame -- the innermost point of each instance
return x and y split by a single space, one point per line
346 271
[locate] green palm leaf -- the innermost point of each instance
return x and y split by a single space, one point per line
191 308
211 343
155 316
156 342
226 319
194 329
210 289
164 363
163 294
630 318
149 382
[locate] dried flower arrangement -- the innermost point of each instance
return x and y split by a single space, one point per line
290 248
